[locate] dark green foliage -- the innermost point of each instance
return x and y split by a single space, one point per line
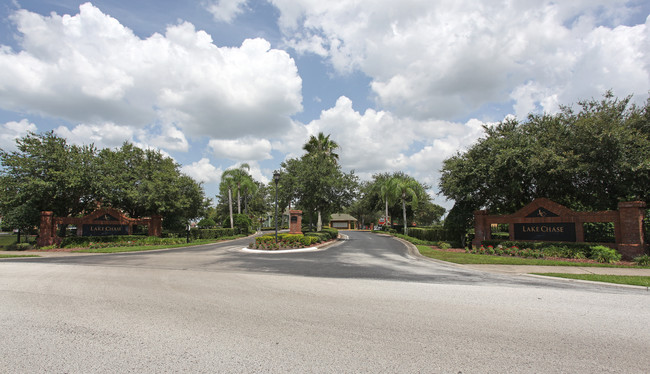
206 223
47 174
604 254
589 160
599 232
242 223
643 260
433 234
196 233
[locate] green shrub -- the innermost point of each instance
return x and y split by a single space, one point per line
432 234
206 223
444 245
210 233
604 254
642 260
241 222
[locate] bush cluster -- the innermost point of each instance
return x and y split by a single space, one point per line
288 241
603 254
116 241
506 251
432 234
196 233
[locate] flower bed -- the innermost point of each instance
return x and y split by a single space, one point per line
286 241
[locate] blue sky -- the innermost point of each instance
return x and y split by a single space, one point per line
399 85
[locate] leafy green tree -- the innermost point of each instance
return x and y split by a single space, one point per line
316 181
45 173
429 213
589 160
145 182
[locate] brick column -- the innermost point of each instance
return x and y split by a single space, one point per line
481 227
295 222
46 232
155 226
630 240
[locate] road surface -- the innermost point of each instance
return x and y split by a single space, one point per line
362 305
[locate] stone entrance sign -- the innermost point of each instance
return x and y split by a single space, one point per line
545 220
102 222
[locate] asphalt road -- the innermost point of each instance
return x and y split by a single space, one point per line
363 305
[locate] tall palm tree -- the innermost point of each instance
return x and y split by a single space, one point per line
230 182
239 175
406 187
322 144
388 192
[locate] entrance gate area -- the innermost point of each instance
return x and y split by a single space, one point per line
545 220
102 222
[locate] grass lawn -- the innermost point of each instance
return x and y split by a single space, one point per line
12 256
469 258
151 247
619 279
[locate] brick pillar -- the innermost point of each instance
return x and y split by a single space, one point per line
295 222
481 227
155 226
630 240
46 230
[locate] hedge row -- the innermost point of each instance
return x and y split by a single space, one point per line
550 249
113 240
432 234
196 233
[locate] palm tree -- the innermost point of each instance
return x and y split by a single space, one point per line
239 175
406 187
229 181
388 192
321 144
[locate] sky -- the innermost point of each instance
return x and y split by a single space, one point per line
399 85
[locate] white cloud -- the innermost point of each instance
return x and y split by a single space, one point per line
203 171
12 131
245 149
226 10
89 68
106 135
444 59
378 141
171 139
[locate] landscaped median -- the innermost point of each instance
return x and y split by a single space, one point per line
293 241
552 255
131 243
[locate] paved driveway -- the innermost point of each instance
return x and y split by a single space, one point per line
363 305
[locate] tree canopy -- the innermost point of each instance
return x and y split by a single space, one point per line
48 174
586 160
315 181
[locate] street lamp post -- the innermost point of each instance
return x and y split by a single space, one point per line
276 179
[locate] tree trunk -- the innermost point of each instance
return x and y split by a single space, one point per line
386 217
232 224
404 210
238 201
319 223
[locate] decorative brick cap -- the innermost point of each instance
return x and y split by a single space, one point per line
632 204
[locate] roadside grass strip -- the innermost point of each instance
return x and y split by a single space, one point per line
633 280
14 256
142 248
469 258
